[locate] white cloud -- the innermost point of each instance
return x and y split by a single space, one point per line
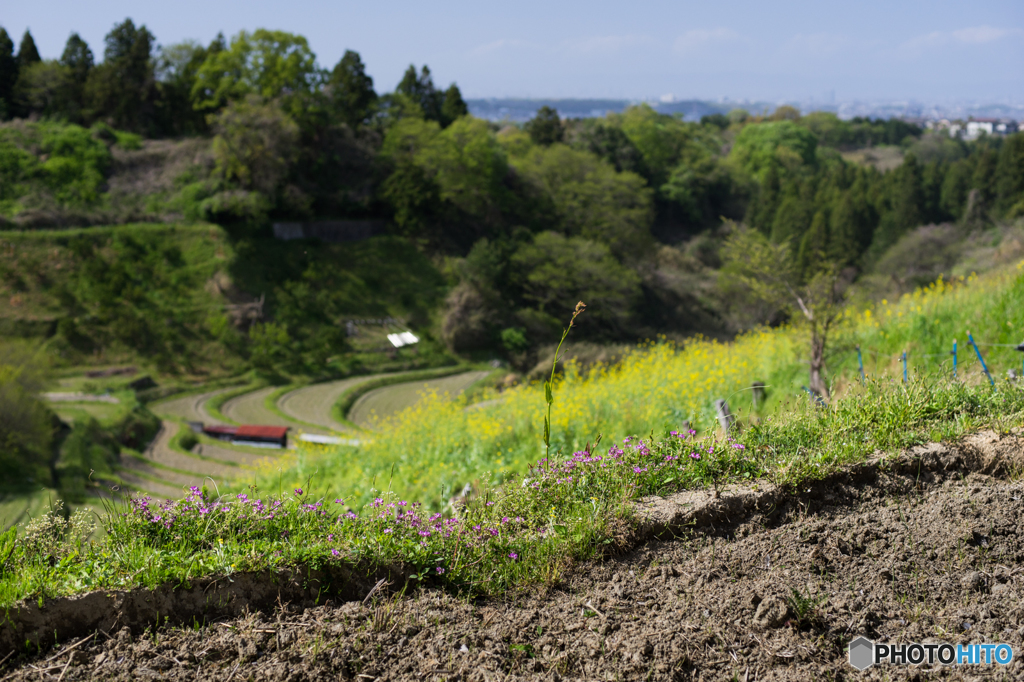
984 34
605 44
816 44
497 46
701 38
972 35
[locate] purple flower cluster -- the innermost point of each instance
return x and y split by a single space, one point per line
552 495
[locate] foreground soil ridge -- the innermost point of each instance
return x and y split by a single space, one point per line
691 567
985 453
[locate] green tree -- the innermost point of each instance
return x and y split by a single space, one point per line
453 107
955 187
28 54
705 191
608 141
662 140
44 88
176 68
270 64
792 218
122 90
545 128
8 74
26 425
44 81
781 144
1010 176
254 144
983 178
77 58
908 200
771 273
851 227
470 168
464 162
555 271
590 199
420 89
351 90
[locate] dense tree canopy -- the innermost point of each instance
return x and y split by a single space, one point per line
518 216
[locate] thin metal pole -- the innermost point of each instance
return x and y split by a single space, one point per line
981 360
904 366
860 364
954 358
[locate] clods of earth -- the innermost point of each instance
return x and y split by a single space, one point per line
776 592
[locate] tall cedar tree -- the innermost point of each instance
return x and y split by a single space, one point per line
122 89
28 55
545 128
27 52
351 90
78 59
454 107
420 89
8 74
1010 174
443 107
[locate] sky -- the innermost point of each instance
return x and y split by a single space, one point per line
892 50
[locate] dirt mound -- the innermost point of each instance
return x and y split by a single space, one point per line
748 585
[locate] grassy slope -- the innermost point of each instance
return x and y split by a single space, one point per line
131 293
437 444
520 533
159 296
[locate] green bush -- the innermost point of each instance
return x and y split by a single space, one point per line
187 439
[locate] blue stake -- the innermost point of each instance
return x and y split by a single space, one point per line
1021 349
904 366
860 363
981 360
954 358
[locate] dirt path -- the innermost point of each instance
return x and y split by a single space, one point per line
384 402
223 465
160 452
898 555
314 403
189 408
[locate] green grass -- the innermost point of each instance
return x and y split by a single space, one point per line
517 534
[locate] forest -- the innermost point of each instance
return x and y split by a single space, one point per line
516 222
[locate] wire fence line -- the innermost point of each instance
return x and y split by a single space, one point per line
949 356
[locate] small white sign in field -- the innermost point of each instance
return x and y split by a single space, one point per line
402 339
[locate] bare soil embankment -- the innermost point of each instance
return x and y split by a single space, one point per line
753 584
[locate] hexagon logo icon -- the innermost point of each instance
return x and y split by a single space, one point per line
862 653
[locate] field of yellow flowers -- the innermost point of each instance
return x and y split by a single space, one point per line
429 451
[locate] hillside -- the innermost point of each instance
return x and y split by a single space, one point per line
189 300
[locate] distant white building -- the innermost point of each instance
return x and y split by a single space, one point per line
976 127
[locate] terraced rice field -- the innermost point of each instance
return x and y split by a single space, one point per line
165 471
72 412
381 403
313 404
190 408
250 408
17 508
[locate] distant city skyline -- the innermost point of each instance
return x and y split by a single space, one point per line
829 52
